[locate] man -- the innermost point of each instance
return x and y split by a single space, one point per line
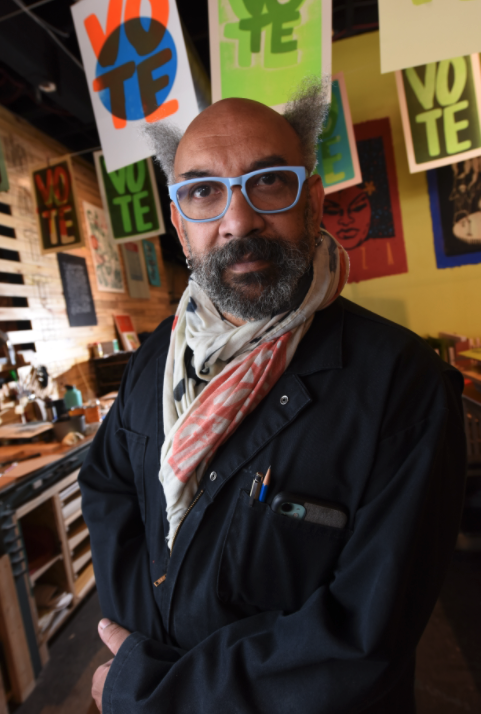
233 606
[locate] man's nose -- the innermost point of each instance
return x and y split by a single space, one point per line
240 219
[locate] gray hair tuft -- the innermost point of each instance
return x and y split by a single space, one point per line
306 112
164 138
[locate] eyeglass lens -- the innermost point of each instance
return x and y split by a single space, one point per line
269 191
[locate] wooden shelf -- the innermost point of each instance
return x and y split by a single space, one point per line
77 535
85 581
56 624
35 575
81 557
73 517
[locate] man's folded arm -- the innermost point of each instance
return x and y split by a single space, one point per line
355 638
111 510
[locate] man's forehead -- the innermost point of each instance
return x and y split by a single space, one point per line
236 138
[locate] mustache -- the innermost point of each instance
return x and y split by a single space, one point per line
254 247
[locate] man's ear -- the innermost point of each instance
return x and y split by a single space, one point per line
316 190
176 219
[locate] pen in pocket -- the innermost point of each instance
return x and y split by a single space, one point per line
265 486
255 488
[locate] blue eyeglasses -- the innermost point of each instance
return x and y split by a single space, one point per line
270 190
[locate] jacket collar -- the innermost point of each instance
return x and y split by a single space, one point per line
321 347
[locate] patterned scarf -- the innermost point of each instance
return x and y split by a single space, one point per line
217 373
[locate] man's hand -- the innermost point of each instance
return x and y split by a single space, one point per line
113 636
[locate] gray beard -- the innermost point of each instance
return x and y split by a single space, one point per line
259 294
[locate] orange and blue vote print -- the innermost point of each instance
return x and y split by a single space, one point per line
137 72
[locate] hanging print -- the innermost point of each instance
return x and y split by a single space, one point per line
105 254
366 219
455 200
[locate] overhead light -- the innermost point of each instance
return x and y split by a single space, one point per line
47 87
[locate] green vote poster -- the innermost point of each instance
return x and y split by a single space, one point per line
262 49
337 157
441 109
4 184
130 199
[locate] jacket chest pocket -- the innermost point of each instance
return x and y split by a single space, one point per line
135 445
272 562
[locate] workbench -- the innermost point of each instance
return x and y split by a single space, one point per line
40 509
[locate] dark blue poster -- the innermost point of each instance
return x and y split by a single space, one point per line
455 199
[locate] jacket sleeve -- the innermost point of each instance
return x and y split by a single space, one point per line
110 506
354 639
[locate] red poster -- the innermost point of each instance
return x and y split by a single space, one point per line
366 219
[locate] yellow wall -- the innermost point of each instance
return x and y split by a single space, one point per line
424 299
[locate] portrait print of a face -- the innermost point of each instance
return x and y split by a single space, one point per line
347 215
366 219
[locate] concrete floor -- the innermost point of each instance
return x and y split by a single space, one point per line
448 675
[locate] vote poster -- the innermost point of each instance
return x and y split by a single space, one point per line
337 159
130 199
58 218
137 71
366 219
441 109
263 49
417 32
455 200
77 290
4 183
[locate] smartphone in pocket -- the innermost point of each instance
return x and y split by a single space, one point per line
311 510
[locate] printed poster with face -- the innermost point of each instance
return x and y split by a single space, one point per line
57 214
263 49
105 254
441 109
366 219
455 199
137 71
417 32
337 159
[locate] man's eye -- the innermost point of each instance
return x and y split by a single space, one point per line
203 191
268 179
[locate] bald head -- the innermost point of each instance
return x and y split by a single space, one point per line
232 135
230 121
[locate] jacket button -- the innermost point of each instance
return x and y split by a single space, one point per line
284 400
213 476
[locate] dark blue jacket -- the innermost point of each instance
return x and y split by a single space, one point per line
254 612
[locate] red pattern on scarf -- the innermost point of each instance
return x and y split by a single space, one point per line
224 403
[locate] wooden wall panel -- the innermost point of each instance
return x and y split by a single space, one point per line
63 349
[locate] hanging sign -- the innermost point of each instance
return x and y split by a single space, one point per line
151 263
130 199
137 71
263 49
4 183
337 158
77 290
441 109
417 32
455 200
57 214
